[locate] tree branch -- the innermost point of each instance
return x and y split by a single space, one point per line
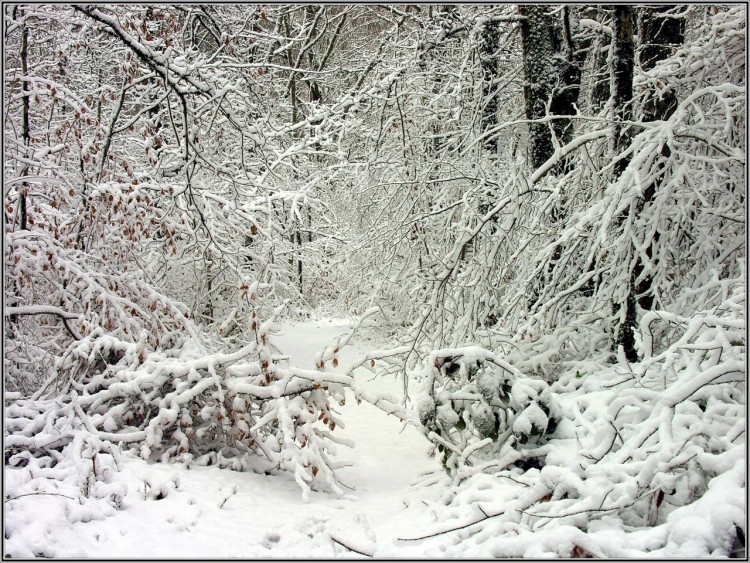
342 544
45 310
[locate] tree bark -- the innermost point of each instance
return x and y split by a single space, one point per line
568 73
659 33
552 71
538 52
623 63
600 76
25 123
490 43
552 68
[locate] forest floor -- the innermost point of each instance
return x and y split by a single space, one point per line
395 493
207 512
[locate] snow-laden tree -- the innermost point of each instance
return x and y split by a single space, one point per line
431 164
540 204
630 232
545 249
156 195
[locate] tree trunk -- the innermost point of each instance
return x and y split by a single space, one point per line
552 68
568 72
489 44
552 71
25 123
659 33
623 62
294 237
538 52
600 76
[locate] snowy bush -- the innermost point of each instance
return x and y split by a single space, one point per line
646 458
241 409
481 412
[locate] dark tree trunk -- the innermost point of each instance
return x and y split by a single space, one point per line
295 236
568 72
623 62
25 124
600 79
659 33
552 68
552 71
490 43
26 140
537 40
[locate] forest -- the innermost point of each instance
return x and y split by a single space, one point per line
532 218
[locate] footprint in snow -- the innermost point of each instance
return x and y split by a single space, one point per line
271 539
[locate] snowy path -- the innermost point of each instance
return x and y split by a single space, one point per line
169 511
209 512
387 458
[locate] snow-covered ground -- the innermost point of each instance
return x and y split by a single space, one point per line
170 511
398 502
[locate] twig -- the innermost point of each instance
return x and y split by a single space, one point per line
342 544
234 492
33 494
487 517
589 510
616 432
583 511
515 480
431 509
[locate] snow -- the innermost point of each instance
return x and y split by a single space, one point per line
531 417
396 500
171 511
158 407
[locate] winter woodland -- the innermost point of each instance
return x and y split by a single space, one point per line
532 219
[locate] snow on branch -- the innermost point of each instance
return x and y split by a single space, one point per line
236 409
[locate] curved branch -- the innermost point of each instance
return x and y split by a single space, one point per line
65 316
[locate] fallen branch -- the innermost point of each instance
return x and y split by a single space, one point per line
486 517
342 544
39 493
